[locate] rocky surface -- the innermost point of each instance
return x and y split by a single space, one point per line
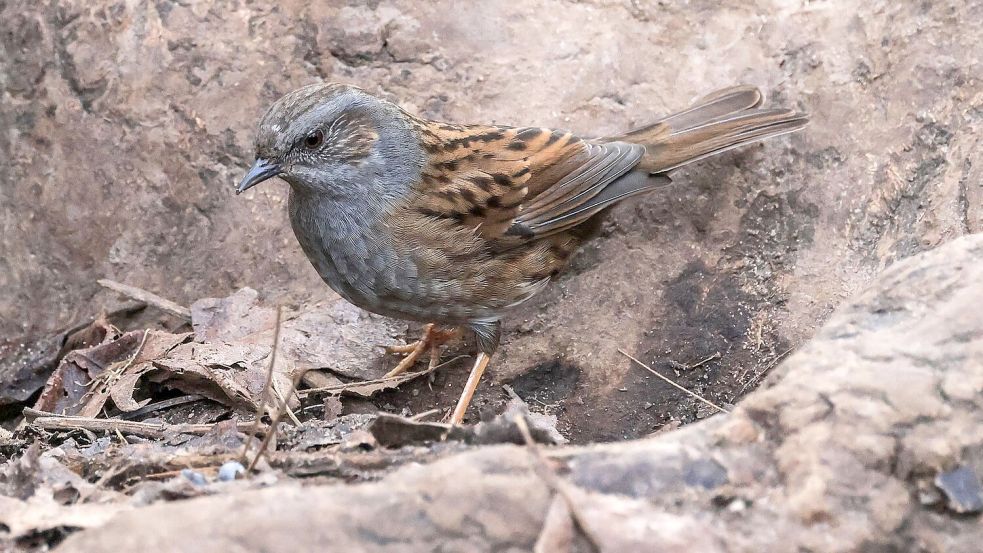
125 125
869 438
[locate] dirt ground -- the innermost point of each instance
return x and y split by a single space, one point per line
126 125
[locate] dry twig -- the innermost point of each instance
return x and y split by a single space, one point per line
149 298
271 431
377 384
420 416
53 421
554 482
161 405
774 363
677 386
261 404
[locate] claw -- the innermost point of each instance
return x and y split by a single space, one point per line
400 349
432 339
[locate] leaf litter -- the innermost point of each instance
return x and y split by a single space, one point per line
113 420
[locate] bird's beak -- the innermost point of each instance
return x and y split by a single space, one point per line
261 170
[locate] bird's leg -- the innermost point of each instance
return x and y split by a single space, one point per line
488 334
432 338
462 404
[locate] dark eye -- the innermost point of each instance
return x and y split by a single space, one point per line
314 139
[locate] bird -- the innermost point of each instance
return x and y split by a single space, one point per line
454 225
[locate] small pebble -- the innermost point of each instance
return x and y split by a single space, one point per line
196 478
230 470
962 489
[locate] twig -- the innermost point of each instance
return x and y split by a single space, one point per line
554 482
171 473
666 379
420 416
716 355
774 363
149 298
271 431
684 367
397 380
261 404
282 404
129 362
511 392
160 405
53 421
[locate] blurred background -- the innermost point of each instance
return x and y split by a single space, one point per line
125 125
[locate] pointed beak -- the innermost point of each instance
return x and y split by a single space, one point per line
261 170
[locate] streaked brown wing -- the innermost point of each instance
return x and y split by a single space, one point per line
516 184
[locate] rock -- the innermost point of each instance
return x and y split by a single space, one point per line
230 471
870 382
962 488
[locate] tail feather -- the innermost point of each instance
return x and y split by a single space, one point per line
717 104
716 123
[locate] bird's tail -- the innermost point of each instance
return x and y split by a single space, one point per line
716 123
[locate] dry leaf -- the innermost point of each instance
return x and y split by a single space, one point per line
333 335
87 378
231 374
67 390
26 363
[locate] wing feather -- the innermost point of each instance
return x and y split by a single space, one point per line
509 184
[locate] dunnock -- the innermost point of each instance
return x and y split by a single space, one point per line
455 224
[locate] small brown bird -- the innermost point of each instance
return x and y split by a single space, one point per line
453 225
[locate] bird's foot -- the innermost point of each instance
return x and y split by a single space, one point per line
432 339
480 363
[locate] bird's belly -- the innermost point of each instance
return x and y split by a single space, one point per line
382 280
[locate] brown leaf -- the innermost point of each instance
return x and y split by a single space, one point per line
333 335
232 374
27 362
332 408
122 392
368 388
67 389
156 345
116 380
395 431
86 379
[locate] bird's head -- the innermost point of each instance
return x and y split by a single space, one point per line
334 140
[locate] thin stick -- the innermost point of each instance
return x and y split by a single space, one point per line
399 379
271 431
121 437
261 405
53 421
160 405
282 404
774 363
149 298
554 482
716 355
420 416
666 379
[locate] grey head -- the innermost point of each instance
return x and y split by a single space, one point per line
336 142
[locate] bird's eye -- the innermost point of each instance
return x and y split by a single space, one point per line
314 139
